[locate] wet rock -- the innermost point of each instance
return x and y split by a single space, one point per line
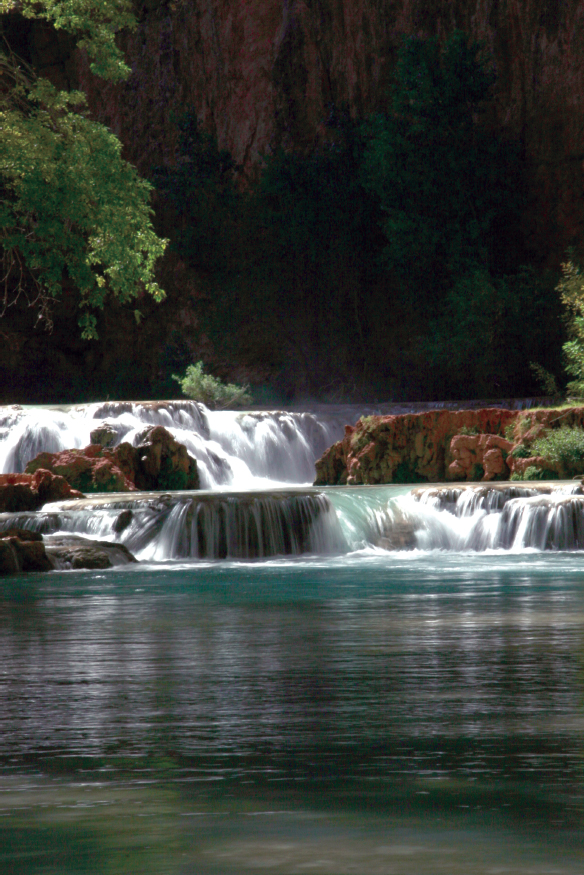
75 552
104 435
31 490
164 463
122 521
21 550
159 462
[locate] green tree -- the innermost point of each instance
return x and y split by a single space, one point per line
73 213
571 289
442 178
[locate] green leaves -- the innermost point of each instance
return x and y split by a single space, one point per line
74 213
95 23
571 289
210 390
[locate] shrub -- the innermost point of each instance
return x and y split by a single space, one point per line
521 452
563 446
210 390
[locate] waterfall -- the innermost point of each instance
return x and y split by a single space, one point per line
499 517
334 521
233 449
206 526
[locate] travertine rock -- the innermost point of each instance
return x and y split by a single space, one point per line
441 445
24 492
159 462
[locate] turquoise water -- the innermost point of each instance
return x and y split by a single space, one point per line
377 714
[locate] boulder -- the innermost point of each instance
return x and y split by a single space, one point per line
75 552
21 550
158 463
25 492
105 435
164 463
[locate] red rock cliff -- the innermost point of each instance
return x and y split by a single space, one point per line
264 72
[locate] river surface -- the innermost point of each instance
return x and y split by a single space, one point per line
377 713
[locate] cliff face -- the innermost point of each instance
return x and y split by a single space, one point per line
263 73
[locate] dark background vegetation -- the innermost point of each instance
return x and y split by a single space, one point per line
388 261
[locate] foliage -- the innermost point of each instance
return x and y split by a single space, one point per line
386 252
546 380
201 189
74 214
442 178
468 429
571 289
477 472
521 452
210 390
479 335
533 473
563 446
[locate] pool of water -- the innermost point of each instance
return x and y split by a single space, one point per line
375 714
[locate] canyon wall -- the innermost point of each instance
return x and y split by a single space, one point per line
264 73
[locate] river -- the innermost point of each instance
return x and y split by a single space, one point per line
246 701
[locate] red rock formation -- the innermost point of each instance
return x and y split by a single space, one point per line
24 492
440 445
93 469
159 462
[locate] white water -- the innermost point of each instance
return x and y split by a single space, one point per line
323 522
233 449
239 454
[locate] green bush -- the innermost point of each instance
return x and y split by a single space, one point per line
210 390
563 446
521 452
533 473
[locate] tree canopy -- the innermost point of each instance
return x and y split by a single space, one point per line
73 212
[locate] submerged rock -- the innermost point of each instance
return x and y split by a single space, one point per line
76 552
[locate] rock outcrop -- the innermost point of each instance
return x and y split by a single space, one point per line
158 462
76 552
472 445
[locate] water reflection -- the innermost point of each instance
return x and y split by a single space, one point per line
335 718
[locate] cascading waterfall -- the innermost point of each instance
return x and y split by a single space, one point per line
245 452
336 521
208 526
233 449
